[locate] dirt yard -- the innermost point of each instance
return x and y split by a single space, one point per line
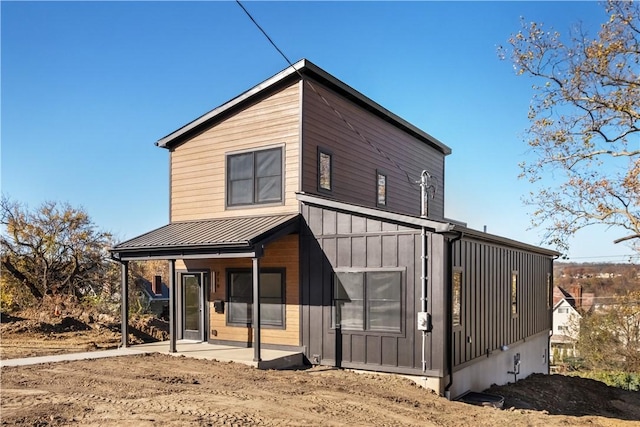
177 391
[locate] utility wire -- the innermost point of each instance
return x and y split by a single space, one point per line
335 111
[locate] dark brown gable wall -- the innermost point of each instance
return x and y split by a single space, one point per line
355 161
333 240
487 319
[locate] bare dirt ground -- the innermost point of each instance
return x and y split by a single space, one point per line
27 335
156 389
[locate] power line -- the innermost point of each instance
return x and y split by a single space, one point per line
335 111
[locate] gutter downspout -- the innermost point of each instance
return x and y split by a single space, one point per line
449 331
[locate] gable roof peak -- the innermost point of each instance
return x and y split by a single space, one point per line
300 70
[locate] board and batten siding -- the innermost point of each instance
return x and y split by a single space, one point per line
333 240
282 253
198 178
487 322
355 160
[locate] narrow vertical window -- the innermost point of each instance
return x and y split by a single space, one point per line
324 170
514 293
457 298
548 290
381 183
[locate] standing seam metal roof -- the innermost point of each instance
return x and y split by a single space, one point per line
213 232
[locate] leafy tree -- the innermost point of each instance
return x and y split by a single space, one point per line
53 249
609 338
585 124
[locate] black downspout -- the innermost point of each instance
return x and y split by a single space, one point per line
449 331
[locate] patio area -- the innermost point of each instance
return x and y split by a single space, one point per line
271 359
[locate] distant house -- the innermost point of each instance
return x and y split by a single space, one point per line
296 203
568 309
156 295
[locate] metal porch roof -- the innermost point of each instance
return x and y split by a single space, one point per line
206 235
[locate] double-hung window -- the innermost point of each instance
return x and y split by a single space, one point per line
254 177
240 296
368 300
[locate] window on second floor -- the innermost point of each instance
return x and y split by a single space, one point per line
254 177
381 189
325 163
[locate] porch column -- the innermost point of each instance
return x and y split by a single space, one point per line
172 306
124 304
256 310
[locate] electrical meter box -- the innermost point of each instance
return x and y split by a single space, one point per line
424 321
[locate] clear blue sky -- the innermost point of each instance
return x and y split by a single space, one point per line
88 87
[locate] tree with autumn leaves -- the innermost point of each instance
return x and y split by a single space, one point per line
585 125
56 250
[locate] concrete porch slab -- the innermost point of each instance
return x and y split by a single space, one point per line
271 359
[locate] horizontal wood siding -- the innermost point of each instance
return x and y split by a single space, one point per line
487 320
330 241
198 165
282 253
355 160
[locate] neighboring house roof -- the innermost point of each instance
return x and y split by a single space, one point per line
559 303
304 68
146 287
191 238
560 294
576 298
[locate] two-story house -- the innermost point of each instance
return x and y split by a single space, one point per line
299 203
568 308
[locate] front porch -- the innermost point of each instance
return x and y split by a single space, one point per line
270 359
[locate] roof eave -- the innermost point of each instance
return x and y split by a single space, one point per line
305 67
166 141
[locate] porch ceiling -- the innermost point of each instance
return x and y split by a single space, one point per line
207 238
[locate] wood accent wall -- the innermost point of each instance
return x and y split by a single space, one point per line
487 321
282 253
355 161
198 166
